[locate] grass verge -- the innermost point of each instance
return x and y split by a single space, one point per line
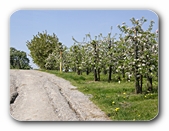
118 101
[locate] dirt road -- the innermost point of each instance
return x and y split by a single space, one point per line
39 96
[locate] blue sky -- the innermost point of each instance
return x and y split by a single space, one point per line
67 23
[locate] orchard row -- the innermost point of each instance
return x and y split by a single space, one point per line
133 54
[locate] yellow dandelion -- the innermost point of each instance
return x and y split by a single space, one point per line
124 93
116 109
113 102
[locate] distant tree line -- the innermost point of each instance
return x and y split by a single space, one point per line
18 59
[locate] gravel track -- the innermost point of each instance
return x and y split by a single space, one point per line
39 96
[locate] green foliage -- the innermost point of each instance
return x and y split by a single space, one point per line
76 58
58 55
143 52
134 53
41 46
18 59
133 56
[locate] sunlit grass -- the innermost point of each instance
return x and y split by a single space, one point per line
118 101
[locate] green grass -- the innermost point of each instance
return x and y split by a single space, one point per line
118 101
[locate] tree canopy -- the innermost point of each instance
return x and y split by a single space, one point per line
133 54
41 46
18 59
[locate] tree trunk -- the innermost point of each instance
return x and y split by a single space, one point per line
98 74
95 61
141 83
149 83
60 66
78 72
104 71
110 72
137 75
137 86
95 74
110 66
123 73
66 69
87 71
